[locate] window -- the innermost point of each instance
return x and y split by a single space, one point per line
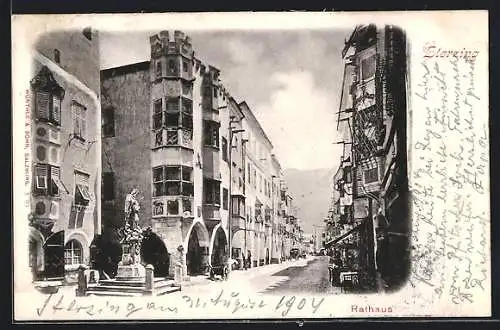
172 67
348 175
108 183
48 180
158 69
87 32
187 113
225 199
187 88
368 67
173 104
57 56
108 122
82 192
172 119
187 105
185 66
73 253
48 107
157 114
172 181
207 90
211 191
371 175
79 120
249 174
224 149
238 205
254 178
211 133
215 91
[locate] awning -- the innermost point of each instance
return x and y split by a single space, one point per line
341 237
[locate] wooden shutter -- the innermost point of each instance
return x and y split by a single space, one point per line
56 110
42 105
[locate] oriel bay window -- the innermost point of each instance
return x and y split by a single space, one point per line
172 181
178 124
211 191
211 133
238 204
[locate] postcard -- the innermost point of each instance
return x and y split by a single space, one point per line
245 166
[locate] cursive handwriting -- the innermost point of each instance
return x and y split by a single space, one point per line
57 303
448 180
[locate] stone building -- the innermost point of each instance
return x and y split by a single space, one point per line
66 153
171 130
373 181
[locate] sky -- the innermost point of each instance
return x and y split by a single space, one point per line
290 79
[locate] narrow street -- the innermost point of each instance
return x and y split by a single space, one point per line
304 275
311 278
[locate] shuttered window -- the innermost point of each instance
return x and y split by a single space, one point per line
79 120
43 105
82 192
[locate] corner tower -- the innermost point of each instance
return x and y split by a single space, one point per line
171 72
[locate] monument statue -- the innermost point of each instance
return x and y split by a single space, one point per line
130 267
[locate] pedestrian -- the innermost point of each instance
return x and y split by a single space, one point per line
249 259
244 261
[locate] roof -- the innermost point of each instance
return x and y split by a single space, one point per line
249 114
124 69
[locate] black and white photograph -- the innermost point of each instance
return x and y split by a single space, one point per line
200 172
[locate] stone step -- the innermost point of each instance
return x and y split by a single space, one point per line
119 288
164 283
113 293
114 282
167 290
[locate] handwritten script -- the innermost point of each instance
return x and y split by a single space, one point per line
226 302
449 183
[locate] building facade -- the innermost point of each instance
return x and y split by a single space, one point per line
66 153
172 131
372 179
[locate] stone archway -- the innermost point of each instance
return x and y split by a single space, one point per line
219 248
155 253
197 251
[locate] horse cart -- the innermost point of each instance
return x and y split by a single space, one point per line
219 270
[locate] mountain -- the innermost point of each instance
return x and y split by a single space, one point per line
311 191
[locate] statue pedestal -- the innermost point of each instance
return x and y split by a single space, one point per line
133 272
129 269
